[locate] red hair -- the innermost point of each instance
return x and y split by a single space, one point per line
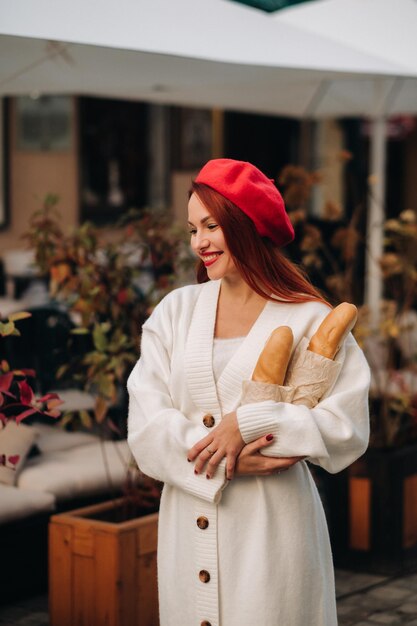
261 264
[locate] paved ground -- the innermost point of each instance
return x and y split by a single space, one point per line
363 600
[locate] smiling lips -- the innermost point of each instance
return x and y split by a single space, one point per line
210 258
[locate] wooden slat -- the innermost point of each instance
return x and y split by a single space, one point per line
106 575
83 597
410 512
128 577
83 541
359 513
60 575
147 538
147 587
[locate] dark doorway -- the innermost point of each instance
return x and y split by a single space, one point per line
113 157
268 142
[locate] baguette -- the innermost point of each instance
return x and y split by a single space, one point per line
334 329
273 361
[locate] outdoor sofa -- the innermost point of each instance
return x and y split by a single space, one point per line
59 471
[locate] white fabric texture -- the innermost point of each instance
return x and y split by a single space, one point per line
80 471
15 440
266 547
21 503
223 350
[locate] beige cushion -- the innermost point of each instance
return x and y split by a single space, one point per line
20 503
54 438
82 471
75 400
15 441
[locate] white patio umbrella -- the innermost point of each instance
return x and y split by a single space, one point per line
384 29
189 52
212 53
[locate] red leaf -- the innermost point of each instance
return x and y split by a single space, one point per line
25 372
26 392
49 396
25 414
14 460
5 381
113 426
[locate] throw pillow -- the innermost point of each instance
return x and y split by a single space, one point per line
15 442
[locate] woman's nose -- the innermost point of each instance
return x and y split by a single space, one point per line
200 242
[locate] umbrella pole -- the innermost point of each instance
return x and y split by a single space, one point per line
376 217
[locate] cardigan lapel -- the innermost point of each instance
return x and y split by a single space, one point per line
199 350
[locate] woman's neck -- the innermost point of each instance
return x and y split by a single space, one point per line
236 289
238 308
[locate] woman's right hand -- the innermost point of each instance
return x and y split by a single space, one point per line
251 462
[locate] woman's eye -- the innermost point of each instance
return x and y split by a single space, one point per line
212 226
192 231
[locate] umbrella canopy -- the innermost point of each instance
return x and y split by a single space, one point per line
213 53
318 59
383 29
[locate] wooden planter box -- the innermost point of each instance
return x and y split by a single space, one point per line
101 572
372 511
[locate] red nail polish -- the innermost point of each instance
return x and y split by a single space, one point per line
269 437
189 460
195 472
207 476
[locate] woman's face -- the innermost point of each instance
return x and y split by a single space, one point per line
208 242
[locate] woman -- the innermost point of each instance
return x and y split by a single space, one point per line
241 542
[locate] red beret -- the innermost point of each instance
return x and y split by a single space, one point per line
253 192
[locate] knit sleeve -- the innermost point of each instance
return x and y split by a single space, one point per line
159 435
333 434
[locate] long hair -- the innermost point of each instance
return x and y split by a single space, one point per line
260 263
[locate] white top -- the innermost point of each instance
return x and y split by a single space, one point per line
223 350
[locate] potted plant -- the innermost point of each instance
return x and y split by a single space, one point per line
102 559
18 402
371 505
17 397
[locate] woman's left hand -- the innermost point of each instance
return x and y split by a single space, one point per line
224 441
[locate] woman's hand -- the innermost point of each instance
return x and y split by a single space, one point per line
224 441
251 462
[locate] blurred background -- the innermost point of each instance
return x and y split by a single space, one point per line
107 113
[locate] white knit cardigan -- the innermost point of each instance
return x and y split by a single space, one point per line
266 546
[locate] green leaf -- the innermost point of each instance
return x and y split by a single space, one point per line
66 419
86 419
80 331
61 370
21 315
99 338
6 328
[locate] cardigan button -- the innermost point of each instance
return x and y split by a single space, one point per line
209 421
205 623
202 522
204 576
